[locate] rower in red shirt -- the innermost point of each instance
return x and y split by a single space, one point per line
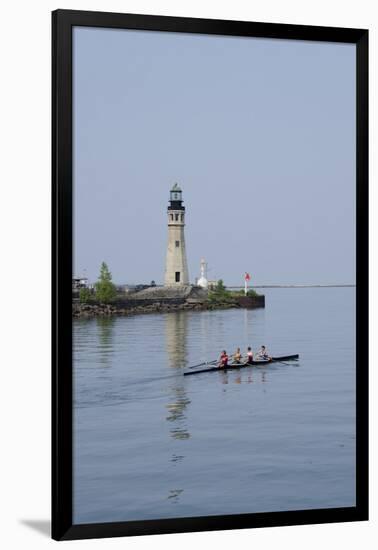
223 359
249 355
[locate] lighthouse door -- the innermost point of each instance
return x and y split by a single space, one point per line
177 276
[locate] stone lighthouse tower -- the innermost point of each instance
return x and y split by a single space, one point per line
176 267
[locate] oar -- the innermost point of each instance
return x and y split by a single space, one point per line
202 364
283 362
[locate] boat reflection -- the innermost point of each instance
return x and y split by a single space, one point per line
239 377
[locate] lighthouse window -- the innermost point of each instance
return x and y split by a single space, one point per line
177 276
176 217
177 244
172 217
182 217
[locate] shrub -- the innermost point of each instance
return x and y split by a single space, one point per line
85 295
105 290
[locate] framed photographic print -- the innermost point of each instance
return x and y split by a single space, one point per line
210 274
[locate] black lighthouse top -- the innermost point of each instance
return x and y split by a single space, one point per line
175 201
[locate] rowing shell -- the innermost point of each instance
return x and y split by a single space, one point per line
233 366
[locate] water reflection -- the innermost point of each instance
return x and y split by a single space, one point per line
247 375
176 458
176 328
224 377
250 334
105 334
174 495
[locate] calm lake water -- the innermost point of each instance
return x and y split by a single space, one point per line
150 443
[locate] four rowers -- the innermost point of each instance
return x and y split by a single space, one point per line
237 357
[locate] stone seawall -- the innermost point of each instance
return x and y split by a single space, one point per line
134 306
251 302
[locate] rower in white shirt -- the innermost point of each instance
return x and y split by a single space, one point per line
263 353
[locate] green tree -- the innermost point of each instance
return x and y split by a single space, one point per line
105 289
85 295
220 288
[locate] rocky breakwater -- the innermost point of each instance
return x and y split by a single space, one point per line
251 302
161 300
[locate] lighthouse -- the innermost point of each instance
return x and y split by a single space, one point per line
202 281
176 266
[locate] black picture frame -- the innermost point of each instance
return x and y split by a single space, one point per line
62 23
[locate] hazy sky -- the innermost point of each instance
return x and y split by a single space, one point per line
260 135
